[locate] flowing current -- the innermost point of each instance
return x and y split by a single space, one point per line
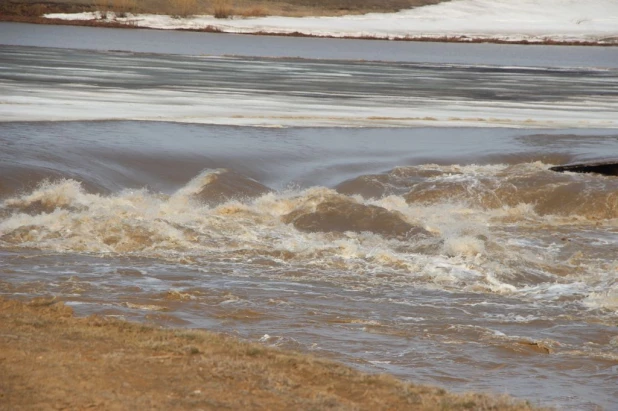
443 255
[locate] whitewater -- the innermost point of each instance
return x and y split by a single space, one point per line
390 205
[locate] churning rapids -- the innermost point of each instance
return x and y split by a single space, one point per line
389 249
443 255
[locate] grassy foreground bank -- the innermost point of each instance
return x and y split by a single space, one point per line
52 360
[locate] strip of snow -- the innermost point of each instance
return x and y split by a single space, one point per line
508 20
64 103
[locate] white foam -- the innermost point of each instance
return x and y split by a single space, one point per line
606 299
463 254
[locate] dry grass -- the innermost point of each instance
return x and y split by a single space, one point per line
184 8
101 5
302 8
22 10
222 9
254 11
119 7
31 10
48 359
122 7
245 8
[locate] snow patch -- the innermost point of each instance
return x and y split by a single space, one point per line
507 20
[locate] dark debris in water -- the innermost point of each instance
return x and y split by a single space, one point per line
607 168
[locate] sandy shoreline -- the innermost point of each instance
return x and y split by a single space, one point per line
50 359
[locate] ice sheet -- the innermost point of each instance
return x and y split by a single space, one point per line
65 85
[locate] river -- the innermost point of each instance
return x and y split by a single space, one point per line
385 204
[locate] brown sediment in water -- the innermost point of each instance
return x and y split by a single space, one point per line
397 181
340 214
50 359
549 193
19 179
227 185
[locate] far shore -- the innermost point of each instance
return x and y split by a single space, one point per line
127 13
211 29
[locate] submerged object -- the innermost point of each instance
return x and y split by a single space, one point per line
606 167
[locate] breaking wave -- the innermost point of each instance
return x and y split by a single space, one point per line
495 187
468 227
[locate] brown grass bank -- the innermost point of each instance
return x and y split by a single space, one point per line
222 8
52 360
31 11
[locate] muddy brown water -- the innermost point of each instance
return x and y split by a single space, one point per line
443 255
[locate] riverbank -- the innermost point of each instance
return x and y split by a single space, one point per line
51 359
184 8
546 22
113 23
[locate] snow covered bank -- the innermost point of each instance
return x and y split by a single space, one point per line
501 20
